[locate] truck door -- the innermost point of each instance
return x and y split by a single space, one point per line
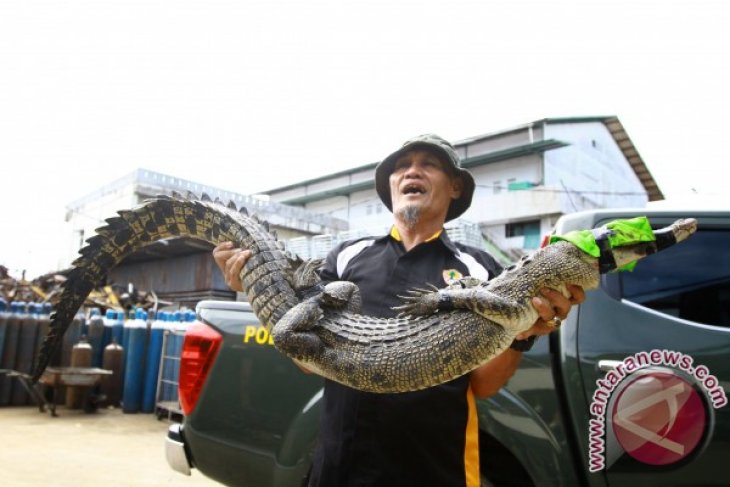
654 352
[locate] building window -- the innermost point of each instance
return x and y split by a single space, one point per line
520 229
530 230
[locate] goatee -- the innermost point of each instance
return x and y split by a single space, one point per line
409 215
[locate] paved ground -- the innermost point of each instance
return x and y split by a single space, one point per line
78 449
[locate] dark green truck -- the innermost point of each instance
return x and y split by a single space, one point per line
630 391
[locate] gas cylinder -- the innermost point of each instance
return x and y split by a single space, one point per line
134 363
118 327
152 366
95 335
10 351
5 316
110 318
72 337
169 361
81 356
27 337
111 385
127 325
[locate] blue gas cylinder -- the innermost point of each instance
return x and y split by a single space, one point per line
118 327
134 363
110 317
152 367
128 320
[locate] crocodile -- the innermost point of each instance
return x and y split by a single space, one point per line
441 334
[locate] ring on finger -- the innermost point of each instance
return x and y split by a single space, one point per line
555 322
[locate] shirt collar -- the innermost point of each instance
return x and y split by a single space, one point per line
396 234
440 235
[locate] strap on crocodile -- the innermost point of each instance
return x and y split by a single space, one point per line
599 242
606 261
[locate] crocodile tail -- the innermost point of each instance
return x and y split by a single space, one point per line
157 219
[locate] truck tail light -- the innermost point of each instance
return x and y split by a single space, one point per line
199 351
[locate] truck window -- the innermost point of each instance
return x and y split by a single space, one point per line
689 281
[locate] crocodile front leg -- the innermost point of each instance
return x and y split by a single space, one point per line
510 314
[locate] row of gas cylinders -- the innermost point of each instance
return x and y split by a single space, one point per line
131 346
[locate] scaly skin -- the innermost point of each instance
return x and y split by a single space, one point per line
325 332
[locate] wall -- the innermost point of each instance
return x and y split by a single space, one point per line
592 169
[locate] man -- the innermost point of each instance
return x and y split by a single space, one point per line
427 437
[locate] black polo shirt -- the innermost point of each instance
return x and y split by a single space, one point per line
422 438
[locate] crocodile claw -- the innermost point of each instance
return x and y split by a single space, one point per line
419 302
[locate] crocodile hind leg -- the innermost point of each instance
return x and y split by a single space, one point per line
293 334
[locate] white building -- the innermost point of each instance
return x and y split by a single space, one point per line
526 177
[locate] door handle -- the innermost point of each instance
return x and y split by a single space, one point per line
607 365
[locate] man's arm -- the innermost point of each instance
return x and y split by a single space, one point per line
490 377
230 261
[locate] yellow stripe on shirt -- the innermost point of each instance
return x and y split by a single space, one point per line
471 445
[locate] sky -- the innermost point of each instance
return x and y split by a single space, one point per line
252 95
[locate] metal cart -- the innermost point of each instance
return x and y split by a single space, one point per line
55 378
168 403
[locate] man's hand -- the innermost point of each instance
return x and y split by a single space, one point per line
231 260
552 306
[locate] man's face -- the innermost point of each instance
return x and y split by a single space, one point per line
421 181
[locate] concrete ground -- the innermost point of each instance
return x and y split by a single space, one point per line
78 449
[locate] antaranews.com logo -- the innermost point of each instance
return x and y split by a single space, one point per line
650 406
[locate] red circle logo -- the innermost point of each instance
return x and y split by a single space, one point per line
658 418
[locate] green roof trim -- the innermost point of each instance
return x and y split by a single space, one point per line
319 179
330 193
512 152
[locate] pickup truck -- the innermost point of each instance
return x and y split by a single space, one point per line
630 391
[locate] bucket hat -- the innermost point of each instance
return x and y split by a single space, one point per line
448 156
